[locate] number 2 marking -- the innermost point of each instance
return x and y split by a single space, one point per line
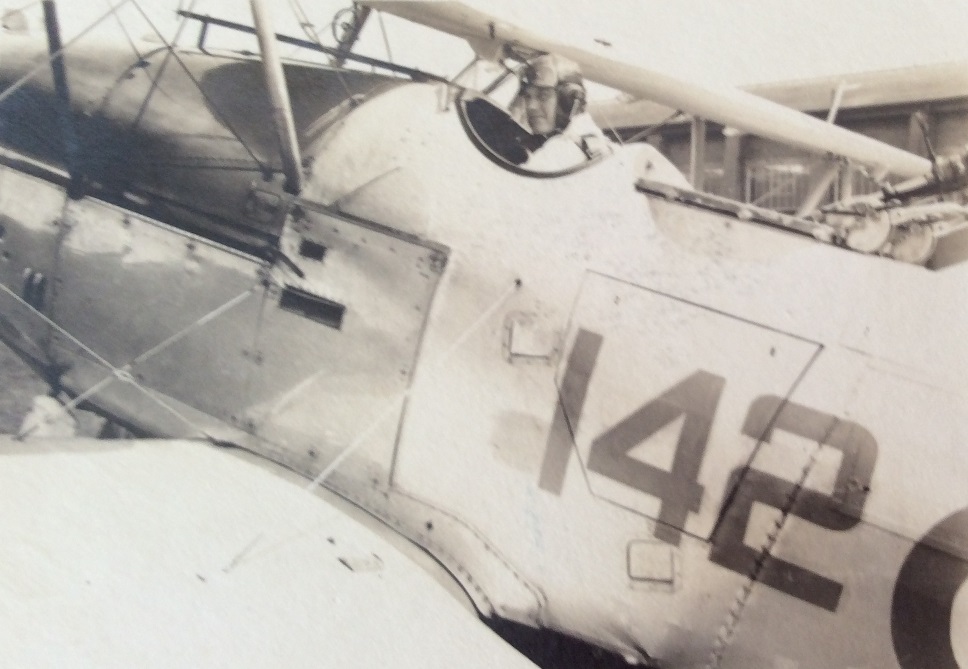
859 449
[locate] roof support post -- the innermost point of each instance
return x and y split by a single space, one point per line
819 186
847 182
279 96
697 153
734 142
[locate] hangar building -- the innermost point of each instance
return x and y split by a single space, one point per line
902 107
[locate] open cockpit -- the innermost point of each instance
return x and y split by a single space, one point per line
507 143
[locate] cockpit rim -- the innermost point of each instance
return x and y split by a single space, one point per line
467 95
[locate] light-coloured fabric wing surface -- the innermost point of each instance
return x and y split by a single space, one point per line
729 106
178 554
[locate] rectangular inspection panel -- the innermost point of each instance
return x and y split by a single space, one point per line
337 346
670 385
651 563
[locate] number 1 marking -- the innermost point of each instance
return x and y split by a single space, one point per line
574 386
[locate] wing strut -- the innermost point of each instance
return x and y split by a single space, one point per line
351 33
63 92
279 95
727 106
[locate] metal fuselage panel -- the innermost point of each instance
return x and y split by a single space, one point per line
164 135
30 211
220 344
640 423
672 422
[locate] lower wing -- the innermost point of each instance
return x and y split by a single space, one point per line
177 553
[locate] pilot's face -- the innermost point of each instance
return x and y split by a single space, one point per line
540 106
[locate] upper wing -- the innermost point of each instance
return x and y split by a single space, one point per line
173 553
728 106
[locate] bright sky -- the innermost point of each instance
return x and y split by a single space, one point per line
741 41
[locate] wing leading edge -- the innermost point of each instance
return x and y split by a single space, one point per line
171 553
729 106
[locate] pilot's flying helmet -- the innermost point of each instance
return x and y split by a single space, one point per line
554 71
550 69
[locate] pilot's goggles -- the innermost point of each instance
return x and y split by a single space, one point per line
538 93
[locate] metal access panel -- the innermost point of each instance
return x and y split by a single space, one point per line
174 312
30 209
656 390
339 339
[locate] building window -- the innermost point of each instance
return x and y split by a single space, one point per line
714 180
777 185
784 185
861 184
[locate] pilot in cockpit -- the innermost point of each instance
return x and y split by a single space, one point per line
551 104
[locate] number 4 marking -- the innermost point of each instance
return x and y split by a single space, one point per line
695 397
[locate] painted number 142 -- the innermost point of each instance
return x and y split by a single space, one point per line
696 399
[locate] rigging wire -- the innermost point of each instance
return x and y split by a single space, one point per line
386 39
306 24
211 103
126 33
123 373
156 81
189 6
387 410
317 40
25 7
41 67
391 405
611 127
645 132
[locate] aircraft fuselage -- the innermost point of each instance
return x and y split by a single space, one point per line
650 425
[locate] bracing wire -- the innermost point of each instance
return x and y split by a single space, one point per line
313 35
389 408
156 81
123 372
22 81
26 6
645 132
304 22
386 39
171 50
126 33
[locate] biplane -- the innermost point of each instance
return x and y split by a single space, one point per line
684 430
